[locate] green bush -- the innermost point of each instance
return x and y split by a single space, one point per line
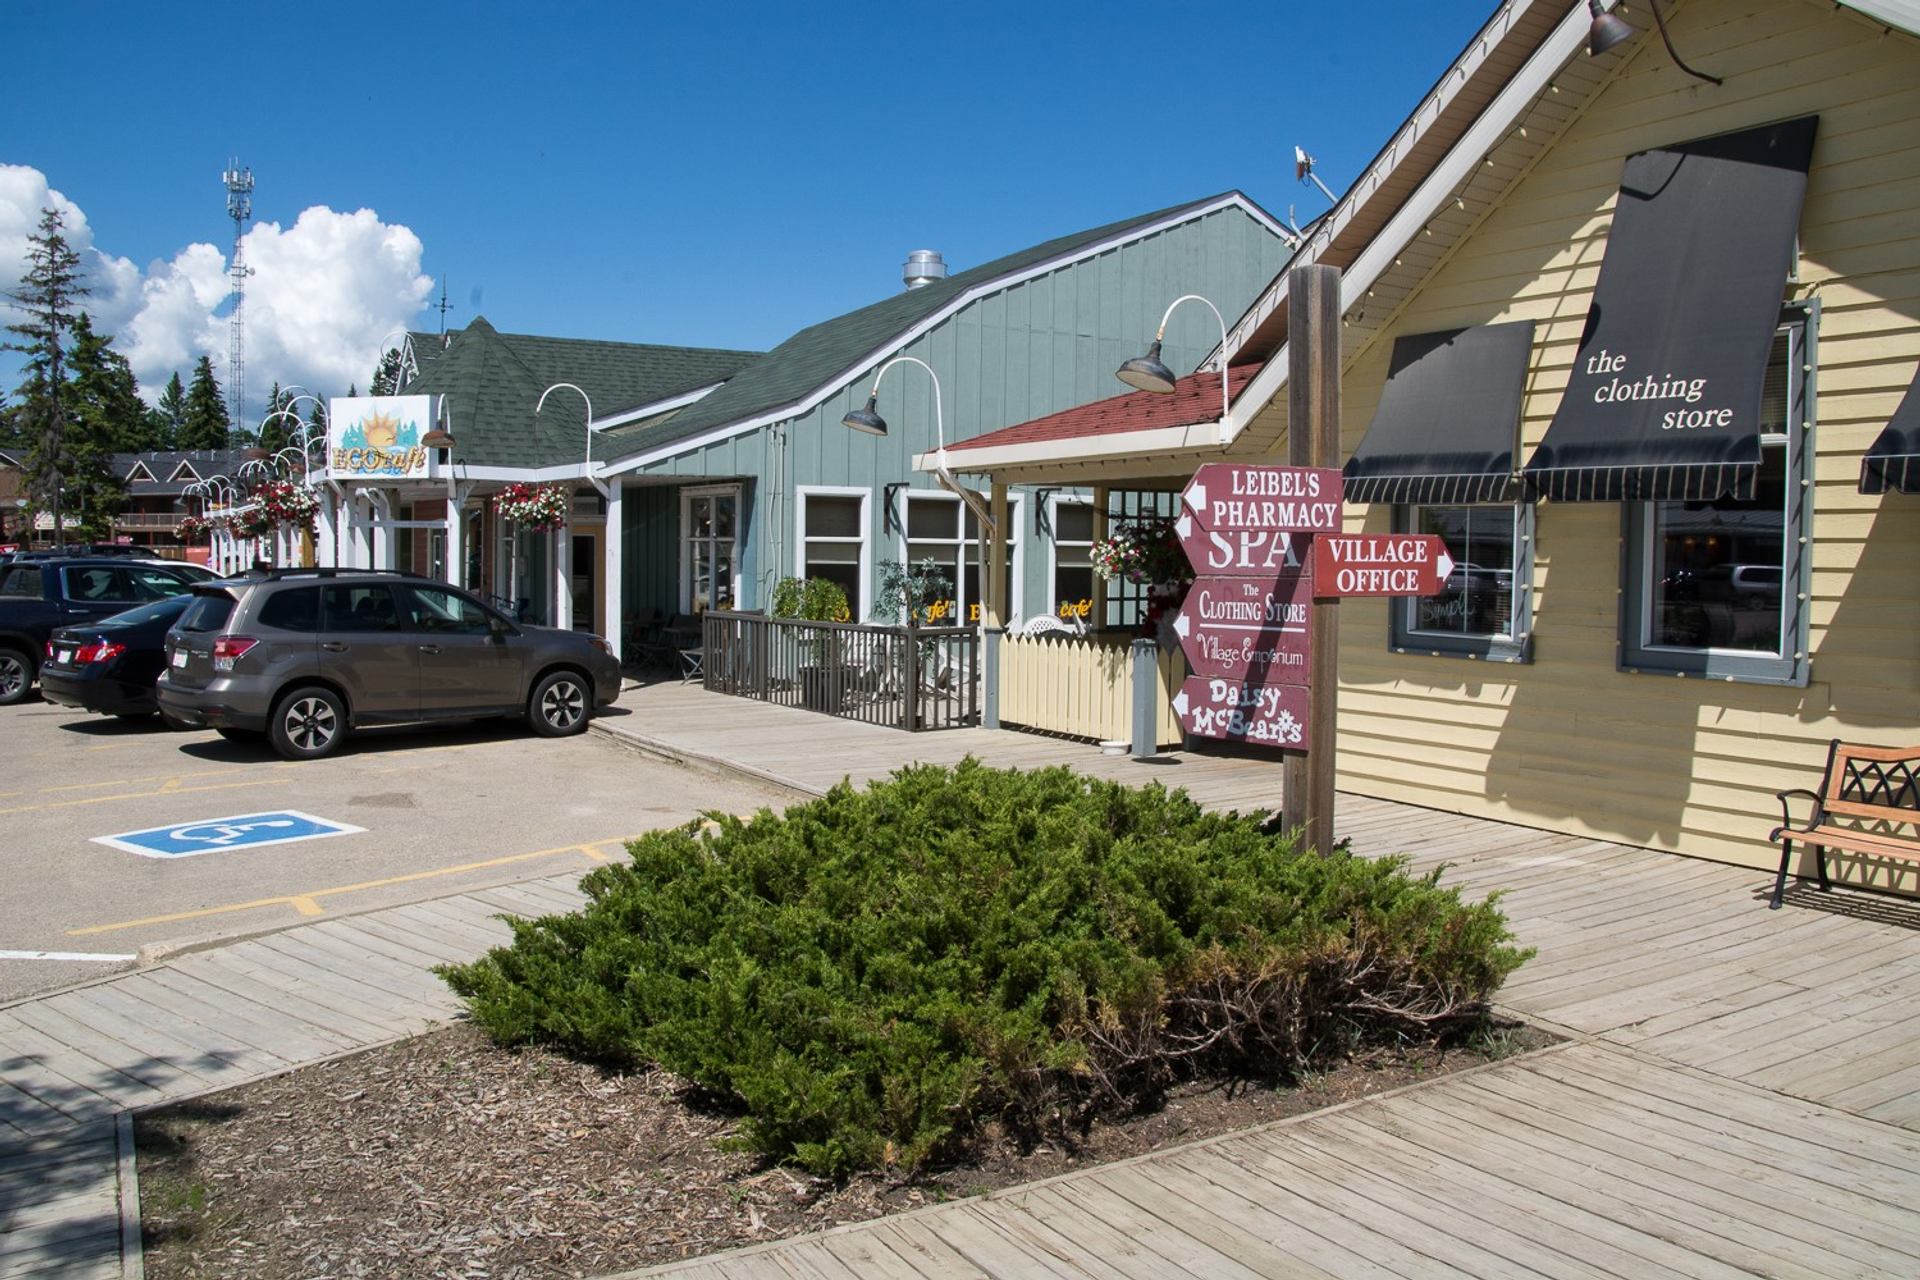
878 972
810 599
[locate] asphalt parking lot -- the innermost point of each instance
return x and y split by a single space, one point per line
429 812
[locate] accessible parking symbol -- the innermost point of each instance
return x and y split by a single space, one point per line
212 835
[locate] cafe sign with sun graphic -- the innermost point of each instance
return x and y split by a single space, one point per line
379 436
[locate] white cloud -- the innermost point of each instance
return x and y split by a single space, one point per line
322 295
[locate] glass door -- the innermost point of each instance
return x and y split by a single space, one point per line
708 522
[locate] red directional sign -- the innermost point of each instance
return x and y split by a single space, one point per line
1228 497
1247 628
1272 715
1380 564
1261 552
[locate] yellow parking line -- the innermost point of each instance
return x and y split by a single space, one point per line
137 795
308 903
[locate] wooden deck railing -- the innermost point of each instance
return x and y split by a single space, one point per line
904 678
1082 686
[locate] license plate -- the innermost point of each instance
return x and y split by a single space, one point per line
63 655
179 657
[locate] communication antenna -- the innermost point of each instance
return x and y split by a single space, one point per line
1303 171
443 306
239 207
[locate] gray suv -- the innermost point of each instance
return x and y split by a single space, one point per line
305 655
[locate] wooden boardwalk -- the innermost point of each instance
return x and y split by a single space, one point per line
1740 1097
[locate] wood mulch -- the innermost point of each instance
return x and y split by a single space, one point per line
444 1156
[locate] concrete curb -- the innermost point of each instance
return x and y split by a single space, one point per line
661 749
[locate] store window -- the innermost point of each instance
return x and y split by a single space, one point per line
833 542
1483 610
1071 579
709 540
1719 588
941 528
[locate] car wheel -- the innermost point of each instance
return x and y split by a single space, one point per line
16 676
559 705
307 724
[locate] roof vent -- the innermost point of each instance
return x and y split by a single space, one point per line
923 267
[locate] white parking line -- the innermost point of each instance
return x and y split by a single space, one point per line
64 955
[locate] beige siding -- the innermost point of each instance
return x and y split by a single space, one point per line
1570 742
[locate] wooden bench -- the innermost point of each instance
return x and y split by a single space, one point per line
1875 791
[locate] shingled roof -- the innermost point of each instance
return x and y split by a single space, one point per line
164 465
819 357
492 380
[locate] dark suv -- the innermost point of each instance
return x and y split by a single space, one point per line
36 596
304 655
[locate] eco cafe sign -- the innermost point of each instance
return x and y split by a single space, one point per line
379 436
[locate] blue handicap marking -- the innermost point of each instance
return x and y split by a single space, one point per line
239 831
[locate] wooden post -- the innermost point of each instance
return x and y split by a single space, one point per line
995 612
1313 440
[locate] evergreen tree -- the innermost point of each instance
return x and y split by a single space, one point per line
276 426
46 296
104 399
205 424
166 418
386 378
317 431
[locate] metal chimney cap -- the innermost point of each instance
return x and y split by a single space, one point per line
923 267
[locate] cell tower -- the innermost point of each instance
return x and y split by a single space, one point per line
239 207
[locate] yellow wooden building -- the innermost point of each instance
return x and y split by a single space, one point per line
1641 661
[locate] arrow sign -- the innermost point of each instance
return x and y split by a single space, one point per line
1247 628
1273 715
1260 552
1380 564
1229 497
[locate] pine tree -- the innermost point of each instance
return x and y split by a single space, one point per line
277 425
205 423
46 295
166 417
386 378
105 400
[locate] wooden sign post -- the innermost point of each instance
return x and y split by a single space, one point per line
1313 440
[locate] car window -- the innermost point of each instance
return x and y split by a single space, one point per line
295 609
99 584
208 612
154 584
360 608
158 611
445 612
22 582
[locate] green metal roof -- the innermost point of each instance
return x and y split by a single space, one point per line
819 356
492 381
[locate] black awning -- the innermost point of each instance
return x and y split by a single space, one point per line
1664 397
1893 460
1448 419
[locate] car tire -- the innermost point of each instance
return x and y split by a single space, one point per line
308 723
560 704
16 676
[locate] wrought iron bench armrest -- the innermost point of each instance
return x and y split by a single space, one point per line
1786 812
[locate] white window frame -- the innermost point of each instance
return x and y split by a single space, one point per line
687 494
800 539
1054 503
1015 583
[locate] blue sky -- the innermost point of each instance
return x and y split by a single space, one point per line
708 175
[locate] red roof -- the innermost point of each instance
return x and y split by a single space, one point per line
1194 399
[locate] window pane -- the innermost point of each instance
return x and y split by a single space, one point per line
1073 591
294 610
156 584
360 609
1073 522
1013 524
208 612
1718 568
22 583
445 612
846 575
932 518
833 552
1478 598
830 517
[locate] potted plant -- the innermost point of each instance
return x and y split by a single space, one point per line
813 600
1147 552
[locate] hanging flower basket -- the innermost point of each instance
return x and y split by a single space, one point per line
251 521
1142 551
538 507
284 502
193 530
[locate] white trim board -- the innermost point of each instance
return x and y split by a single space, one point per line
653 407
900 341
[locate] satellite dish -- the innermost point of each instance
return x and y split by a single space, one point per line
1302 164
